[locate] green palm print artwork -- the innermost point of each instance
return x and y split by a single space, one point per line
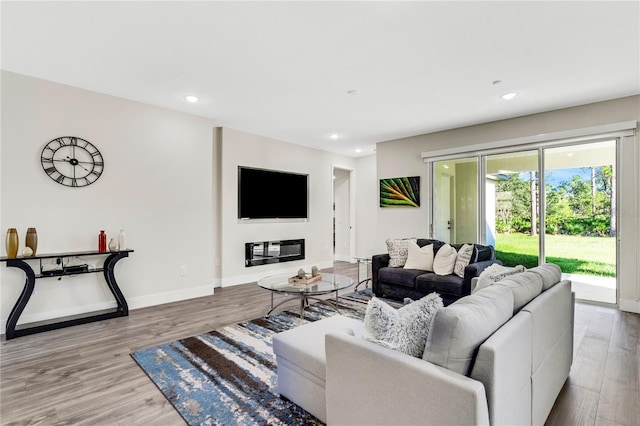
400 192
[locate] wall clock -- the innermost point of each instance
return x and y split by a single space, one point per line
72 161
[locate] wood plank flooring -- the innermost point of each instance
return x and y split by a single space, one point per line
604 384
84 374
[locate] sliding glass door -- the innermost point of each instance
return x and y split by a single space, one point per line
572 222
511 207
455 217
580 217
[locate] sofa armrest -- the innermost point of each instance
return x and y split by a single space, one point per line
368 384
377 261
503 365
473 270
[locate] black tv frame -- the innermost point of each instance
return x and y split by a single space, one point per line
274 174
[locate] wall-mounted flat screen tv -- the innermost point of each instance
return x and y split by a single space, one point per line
271 194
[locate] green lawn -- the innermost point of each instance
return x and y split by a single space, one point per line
574 254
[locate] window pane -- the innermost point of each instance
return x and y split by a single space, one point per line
580 218
512 207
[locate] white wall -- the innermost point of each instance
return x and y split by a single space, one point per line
157 185
401 222
367 205
244 149
403 158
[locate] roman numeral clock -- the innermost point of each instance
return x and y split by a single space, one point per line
72 161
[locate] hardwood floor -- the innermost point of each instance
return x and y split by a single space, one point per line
604 384
84 374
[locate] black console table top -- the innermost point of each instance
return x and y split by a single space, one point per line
13 330
65 254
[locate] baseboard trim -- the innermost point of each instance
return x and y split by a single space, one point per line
170 296
629 305
343 258
133 303
252 278
59 313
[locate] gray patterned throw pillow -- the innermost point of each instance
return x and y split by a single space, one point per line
462 260
398 251
405 329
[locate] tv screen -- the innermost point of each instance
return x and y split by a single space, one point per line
271 194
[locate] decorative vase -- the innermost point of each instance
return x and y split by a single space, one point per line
122 240
113 246
31 240
12 243
102 242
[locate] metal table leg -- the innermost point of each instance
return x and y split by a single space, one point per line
367 279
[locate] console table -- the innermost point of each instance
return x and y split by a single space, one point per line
13 330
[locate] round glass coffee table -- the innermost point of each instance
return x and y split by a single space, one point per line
329 283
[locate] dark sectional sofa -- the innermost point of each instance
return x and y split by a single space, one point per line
398 283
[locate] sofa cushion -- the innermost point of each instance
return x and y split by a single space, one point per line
403 329
458 330
398 250
445 260
448 284
465 253
550 274
304 346
419 257
399 276
525 287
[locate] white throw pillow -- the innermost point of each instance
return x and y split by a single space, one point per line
398 251
405 329
494 273
462 259
445 260
420 257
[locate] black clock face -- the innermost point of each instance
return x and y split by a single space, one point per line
72 161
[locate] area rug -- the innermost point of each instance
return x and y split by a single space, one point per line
228 376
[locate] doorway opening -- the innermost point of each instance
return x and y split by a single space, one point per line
343 215
580 217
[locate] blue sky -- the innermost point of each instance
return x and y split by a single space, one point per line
557 176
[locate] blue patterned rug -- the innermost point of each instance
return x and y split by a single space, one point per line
229 376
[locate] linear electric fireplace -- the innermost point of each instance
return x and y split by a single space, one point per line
264 252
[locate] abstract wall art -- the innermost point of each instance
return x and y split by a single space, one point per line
400 192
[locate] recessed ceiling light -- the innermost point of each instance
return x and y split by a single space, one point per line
509 95
358 150
496 82
353 92
191 98
334 136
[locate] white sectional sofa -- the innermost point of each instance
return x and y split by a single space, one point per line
499 356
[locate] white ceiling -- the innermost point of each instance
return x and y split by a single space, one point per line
283 69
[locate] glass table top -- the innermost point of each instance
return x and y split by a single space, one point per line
327 284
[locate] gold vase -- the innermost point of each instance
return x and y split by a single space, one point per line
12 243
31 240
